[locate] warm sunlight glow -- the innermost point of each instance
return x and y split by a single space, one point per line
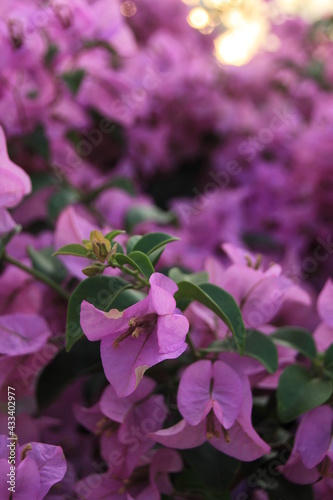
198 18
237 46
310 9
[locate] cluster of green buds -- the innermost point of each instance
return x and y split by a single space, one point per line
100 248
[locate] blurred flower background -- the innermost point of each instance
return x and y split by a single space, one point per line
211 120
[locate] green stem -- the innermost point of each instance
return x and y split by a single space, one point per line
133 273
38 275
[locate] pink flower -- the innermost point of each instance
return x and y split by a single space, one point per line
216 404
15 183
323 334
124 425
38 467
312 454
143 335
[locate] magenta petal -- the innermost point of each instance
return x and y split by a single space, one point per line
227 394
101 485
313 436
295 471
88 417
181 435
22 333
245 444
323 336
162 281
27 481
161 294
125 366
147 416
97 324
194 401
116 408
51 464
265 300
7 223
164 461
205 386
15 183
4 470
171 332
325 303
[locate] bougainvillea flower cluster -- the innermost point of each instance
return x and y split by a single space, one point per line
166 256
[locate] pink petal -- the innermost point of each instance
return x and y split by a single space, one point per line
245 444
22 333
97 324
323 336
205 386
164 461
227 394
161 294
125 366
116 408
325 303
88 417
181 435
51 463
15 183
147 416
264 300
194 400
296 472
313 436
6 221
27 481
162 281
171 332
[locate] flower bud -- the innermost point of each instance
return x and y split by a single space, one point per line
93 270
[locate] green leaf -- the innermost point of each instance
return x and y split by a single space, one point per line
298 392
296 338
44 261
119 248
101 291
328 361
65 368
137 214
73 79
155 256
113 234
6 238
133 240
213 467
257 345
197 278
125 184
52 51
73 249
40 180
261 347
149 243
220 302
138 261
60 200
37 142
143 263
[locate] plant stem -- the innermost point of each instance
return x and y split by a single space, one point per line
38 275
133 273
